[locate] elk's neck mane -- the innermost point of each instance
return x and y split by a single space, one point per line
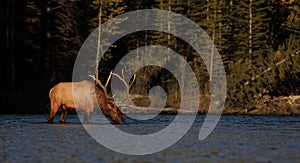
101 98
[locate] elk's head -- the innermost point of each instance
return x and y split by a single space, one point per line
113 112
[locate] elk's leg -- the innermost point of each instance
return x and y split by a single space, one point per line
86 117
63 115
53 111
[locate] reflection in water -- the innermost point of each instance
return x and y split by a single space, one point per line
28 138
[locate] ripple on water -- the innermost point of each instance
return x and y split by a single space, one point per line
28 138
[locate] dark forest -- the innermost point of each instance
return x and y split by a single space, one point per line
259 42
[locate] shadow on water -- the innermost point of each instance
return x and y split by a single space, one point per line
73 119
161 118
35 119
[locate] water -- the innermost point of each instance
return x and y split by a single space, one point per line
28 138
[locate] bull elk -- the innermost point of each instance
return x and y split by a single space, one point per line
63 96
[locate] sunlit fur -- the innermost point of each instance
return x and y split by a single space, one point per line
62 97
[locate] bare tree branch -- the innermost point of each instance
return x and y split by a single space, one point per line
128 86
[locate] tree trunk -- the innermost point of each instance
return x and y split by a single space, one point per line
212 47
10 39
99 39
250 27
207 9
169 25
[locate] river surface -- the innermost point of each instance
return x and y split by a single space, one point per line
28 138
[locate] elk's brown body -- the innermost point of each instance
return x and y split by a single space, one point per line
64 95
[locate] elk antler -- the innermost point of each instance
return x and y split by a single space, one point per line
103 87
128 86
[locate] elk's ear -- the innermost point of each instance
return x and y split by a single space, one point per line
109 105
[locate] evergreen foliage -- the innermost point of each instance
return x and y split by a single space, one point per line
259 42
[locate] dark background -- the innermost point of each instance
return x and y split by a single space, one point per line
258 41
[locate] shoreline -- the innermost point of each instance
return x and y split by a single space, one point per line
283 105
173 111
